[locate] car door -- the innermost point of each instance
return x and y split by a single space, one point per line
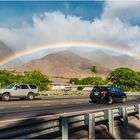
112 91
21 91
118 93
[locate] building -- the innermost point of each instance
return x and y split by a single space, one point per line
59 86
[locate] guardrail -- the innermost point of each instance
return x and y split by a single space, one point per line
62 124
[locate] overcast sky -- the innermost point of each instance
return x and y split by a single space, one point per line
29 24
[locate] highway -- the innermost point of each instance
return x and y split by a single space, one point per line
16 109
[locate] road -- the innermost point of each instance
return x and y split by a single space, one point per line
16 109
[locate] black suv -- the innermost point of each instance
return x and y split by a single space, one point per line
107 94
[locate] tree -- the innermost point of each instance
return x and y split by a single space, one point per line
74 81
86 81
125 79
7 78
37 78
94 69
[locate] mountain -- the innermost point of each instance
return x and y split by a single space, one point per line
64 64
109 61
5 51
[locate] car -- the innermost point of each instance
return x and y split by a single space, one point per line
22 91
107 94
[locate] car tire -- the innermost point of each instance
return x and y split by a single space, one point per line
123 99
6 97
109 100
30 96
94 101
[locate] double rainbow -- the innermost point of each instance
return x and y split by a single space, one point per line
69 44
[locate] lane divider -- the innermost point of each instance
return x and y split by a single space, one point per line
78 102
2 107
46 104
64 103
25 106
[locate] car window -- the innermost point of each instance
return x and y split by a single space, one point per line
23 87
112 89
33 86
10 86
117 90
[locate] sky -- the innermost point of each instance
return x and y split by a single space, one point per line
29 24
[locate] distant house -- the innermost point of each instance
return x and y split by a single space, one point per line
88 87
58 86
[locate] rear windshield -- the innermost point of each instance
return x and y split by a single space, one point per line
33 86
99 88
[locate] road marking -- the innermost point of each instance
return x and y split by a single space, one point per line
46 104
2 107
64 103
78 102
25 106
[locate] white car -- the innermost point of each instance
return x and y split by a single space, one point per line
22 91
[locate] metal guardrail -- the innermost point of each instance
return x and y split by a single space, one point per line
63 123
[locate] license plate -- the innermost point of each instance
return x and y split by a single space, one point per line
96 93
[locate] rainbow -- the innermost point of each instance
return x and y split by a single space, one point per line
69 44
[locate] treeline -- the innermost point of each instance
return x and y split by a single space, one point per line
88 81
34 77
124 78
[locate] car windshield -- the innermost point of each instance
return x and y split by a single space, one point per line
10 86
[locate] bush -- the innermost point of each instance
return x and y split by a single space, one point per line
79 88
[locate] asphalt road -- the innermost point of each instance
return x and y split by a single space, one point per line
16 109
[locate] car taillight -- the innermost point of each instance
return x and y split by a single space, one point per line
104 92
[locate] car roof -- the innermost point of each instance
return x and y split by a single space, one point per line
23 84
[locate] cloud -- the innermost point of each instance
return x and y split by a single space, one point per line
112 28
127 11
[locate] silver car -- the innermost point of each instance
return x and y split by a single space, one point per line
22 91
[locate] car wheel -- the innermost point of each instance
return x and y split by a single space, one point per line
109 100
124 99
6 97
94 101
30 96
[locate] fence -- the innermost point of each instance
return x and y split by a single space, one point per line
62 124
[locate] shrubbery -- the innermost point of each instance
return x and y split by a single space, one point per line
88 81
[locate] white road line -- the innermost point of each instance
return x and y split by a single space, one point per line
25 106
46 104
2 107
78 102
64 103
